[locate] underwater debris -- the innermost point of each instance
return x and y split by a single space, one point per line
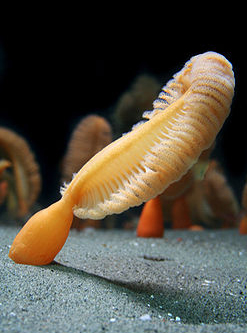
196 227
23 179
146 317
186 118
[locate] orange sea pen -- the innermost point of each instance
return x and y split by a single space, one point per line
211 199
43 236
137 167
151 222
219 196
24 182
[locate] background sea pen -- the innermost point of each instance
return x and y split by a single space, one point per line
23 178
90 135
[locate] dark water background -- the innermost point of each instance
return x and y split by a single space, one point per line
52 73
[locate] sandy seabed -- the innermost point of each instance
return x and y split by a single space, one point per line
111 281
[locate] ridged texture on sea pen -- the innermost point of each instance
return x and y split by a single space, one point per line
90 135
186 118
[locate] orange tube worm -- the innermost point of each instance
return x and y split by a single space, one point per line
243 225
186 118
151 222
243 220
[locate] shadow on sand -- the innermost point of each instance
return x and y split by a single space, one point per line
193 307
